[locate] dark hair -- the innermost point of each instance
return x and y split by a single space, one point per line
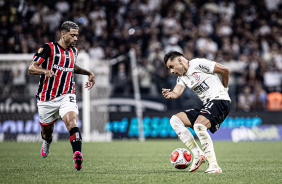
67 25
171 55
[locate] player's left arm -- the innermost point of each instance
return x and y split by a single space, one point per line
82 71
175 93
224 72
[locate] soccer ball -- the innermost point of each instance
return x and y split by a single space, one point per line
180 158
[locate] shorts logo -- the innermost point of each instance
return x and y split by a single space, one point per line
205 111
40 50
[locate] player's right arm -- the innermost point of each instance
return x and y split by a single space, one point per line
175 93
42 54
35 68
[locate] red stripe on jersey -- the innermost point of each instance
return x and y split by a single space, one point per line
49 67
59 74
68 78
40 60
73 86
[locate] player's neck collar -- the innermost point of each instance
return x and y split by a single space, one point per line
62 46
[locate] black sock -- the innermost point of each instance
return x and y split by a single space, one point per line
75 139
49 140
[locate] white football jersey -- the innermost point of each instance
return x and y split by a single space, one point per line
201 79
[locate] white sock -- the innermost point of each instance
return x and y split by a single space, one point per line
206 141
185 135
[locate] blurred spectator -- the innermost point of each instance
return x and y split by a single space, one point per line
261 97
120 81
206 47
49 19
145 71
244 35
272 78
274 101
173 45
246 100
96 52
155 59
19 72
62 6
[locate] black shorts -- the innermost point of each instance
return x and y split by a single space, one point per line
215 111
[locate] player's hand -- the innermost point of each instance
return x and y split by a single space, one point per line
166 93
50 73
91 81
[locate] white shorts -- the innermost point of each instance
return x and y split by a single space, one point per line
50 111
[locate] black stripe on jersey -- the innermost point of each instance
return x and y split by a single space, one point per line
70 87
51 82
71 80
64 75
42 77
74 50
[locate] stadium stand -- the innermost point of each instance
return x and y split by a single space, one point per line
244 35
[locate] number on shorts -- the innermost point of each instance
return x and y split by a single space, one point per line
72 99
209 105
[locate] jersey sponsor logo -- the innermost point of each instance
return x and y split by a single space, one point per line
63 68
197 77
205 68
40 50
201 88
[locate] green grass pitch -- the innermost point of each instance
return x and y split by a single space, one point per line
135 162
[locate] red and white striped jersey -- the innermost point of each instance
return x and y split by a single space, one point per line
54 57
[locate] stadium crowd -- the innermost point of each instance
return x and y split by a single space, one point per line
244 35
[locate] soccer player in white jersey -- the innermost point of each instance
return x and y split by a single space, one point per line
200 75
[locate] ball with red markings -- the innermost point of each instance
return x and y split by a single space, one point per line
180 158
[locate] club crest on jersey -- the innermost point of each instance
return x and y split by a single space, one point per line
197 77
40 50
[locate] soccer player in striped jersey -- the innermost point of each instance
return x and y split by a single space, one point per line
55 62
200 75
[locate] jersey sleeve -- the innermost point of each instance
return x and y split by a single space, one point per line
204 65
181 82
42 54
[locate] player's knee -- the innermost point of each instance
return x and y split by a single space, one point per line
72 121
199 127
71 125
46 135
175 122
